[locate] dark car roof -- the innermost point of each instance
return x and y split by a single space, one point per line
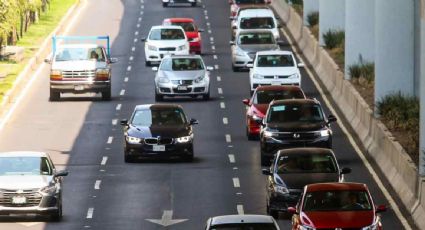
158 106
296 151
335 186
295 102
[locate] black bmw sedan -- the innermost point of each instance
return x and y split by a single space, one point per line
158 130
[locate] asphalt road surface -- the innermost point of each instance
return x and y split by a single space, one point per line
83 134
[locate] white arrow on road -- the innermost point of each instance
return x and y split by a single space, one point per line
167 219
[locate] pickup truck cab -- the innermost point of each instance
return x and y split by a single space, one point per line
80 68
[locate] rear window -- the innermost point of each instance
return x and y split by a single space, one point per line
266 96
182 64
256 38
257 23
187 26
247 226
166 34
275 61
306 163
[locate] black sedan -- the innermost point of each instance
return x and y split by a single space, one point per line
292 169
158 130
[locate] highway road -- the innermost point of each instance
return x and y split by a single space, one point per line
83 134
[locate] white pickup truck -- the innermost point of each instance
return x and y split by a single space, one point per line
80 67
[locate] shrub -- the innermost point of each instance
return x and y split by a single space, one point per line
363 70
313 18
334 38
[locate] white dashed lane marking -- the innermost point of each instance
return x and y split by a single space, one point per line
133 48
216 67
114 121
213 47
239 207
118 107
218 78
122 92
209 31
232 158
225 120
126 79
97 184
110 139
215 57
222 105
90 212
236 182
220 91
140 19
131 57
228 138
129 68
104 160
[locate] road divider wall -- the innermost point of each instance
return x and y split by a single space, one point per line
378 142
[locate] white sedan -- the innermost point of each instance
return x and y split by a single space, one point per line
165 40
275 67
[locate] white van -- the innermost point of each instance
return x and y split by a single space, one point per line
262 19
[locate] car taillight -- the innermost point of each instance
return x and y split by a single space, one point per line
102 74
55 75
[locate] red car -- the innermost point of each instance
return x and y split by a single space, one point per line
193 33
259 103
336 206
235 4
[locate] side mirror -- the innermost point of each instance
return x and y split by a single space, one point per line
292 210
234 27
210 68
345 171
381 208
245 101
201 30
249 65
331 118
193 121
155 68
301 65
48 61
61 173
124 122
266 172
113 60
142 39
232 43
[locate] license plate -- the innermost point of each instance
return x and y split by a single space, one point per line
276 83
181 87
158 148
79 87
19 200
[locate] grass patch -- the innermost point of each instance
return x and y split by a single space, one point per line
401 116
298 6
32 40
313 18
363 78
335 45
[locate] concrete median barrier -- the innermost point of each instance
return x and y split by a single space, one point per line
379 144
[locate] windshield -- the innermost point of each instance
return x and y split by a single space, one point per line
187 26
337 201
306 163
166 34
257 23
256 38
153 117
25 166
275 61
250 1
266 96
72 54
295 113
247 226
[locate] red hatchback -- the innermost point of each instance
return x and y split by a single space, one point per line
259 103
235 4
336 206
193 33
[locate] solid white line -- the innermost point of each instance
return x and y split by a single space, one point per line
236 182
90 212
110 139
215 56
228 138
133 48
118 107
97 184
375 176
122 92
126 79
232 158
220 91
218 78
104 160
114 121
216 66
129 68
239 207
225 120
222 105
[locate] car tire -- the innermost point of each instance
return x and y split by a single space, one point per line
235 69
106 95
206 96
54 96
265 161
164 4
273 213
188 158
148 63
57 216
193 4
198 52
158 97
128 158
251 137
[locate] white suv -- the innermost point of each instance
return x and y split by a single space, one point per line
165 40
263 19
275 67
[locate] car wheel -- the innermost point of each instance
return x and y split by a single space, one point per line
206 97
54 96
235 69
265 161
251 137
148 63
159 97
164 4
193 4
106 95
198 52
188 158
57 216
273 213
128 158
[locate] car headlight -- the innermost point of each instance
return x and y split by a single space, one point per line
295 75
371 227
305 227
55 75
324 133
184 139
102 72
269 134
199 79
182 47
281 189
163 80
257 76
133 140
152 48
48 190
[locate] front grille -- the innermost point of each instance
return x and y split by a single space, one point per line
182 82
165 90
33 198
79 74
269 77
302 136
167 49
188 90
160 141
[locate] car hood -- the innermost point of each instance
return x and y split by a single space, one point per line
287 71
297 126
24 181
261 108
341 219
167 43
258 47
299 180
181 75
77 65
170 131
